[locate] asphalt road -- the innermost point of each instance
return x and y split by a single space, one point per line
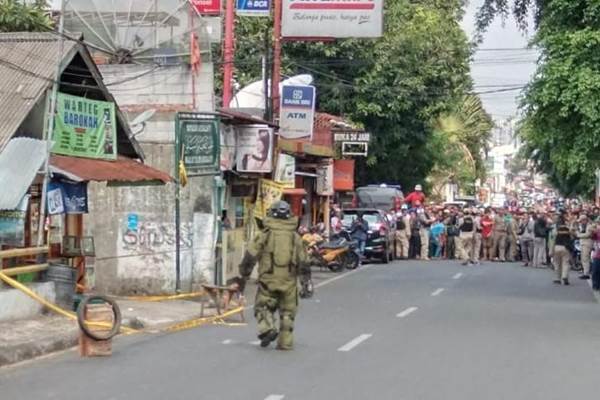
405 331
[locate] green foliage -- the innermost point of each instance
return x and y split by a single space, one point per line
395 86
561 127
18 16
459 141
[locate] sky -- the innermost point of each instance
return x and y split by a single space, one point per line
495 68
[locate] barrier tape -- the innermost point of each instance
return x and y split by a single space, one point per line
216 319
163 298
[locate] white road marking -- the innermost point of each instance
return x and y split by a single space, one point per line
407 312
331 280
355 342
254 343
227 341
275 397
458 276
437 292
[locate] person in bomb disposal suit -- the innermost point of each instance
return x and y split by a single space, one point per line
282 259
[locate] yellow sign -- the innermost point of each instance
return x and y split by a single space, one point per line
269 192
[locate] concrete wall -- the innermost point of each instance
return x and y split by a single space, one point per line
15 304
140 258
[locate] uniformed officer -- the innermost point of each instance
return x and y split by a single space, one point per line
466 225
282 259
585 229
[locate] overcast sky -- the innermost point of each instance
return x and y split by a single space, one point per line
495 69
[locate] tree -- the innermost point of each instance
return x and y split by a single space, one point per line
19 16
395 86
460 140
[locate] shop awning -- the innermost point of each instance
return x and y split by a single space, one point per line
20 161
123 170
301 147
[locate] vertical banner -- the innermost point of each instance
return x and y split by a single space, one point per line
297 112
253 8
84 128
285 173
254 148
325 179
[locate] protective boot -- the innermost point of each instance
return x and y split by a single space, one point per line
286 338
267 337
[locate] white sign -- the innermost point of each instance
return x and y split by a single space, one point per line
332 18
297 112
352 137
254 148
285 173
55 202
325 179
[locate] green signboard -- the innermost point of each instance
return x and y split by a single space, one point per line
84 128
198 141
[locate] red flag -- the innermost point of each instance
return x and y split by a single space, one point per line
195 56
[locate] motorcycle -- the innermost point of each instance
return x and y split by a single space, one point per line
576 264
337 254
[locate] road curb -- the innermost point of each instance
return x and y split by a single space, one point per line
28 351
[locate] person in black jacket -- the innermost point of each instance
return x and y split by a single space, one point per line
540 231
562 250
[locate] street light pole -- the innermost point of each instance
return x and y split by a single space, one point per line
228 52
277 11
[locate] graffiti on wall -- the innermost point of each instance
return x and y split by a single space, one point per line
139 237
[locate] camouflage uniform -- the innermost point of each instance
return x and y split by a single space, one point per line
281 258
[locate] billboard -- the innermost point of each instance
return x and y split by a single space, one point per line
254 148
297 112
332 18
207 7
84 128
254 8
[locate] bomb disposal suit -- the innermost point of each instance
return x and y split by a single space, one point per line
282 259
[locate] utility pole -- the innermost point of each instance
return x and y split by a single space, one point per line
277 11
228 52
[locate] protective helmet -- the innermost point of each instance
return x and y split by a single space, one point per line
418 188
280 210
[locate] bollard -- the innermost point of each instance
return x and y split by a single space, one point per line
98 324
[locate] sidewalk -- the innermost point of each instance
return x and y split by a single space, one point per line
22 340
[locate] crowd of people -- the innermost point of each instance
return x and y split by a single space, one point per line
543 237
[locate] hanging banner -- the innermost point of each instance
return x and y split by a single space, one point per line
325 179
197 136
343 175
254 148
84 128
254 8
67 198
12 225
207 7
297 112
227 147
269 192
332 18
285 172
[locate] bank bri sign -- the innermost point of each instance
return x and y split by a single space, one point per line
84 128
297 112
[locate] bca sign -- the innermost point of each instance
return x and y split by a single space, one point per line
332 18
297 112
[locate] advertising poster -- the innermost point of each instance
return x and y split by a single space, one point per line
325 179
12 225
332 18
85 128
285 173
227 147
67 198
254 148
297 112
269 192
253 8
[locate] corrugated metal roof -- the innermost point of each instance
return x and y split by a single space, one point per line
122 170
28 62
20 161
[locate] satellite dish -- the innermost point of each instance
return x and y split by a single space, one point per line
143 117
253 95
137 31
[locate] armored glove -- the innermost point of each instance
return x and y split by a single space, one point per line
307 289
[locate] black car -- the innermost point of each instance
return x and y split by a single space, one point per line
380 237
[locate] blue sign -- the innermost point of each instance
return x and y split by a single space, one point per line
258 8
132 222
297 112
66 197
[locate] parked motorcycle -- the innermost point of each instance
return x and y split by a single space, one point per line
337 254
